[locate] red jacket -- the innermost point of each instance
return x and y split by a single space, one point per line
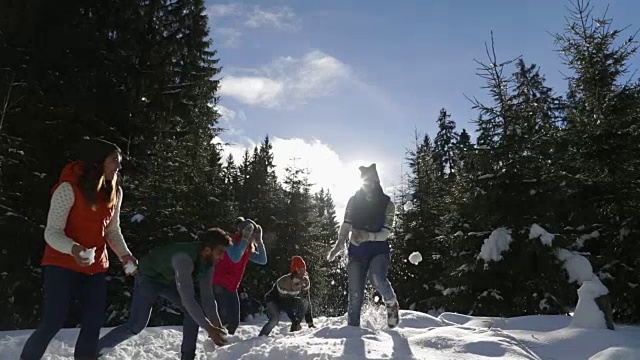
229 274
84 225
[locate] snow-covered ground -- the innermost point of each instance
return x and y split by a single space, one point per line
420 336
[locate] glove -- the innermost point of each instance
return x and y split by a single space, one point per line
257 234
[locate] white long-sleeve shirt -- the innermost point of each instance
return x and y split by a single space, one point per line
61 202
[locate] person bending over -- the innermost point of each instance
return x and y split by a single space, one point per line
170 271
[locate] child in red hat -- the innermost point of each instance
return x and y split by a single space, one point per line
291 294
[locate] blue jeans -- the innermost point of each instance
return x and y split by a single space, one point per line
145 293
295 310
228 307
357 270
60 285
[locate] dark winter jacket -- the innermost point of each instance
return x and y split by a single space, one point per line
369 216
288 290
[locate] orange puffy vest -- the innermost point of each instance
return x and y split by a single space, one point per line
84 225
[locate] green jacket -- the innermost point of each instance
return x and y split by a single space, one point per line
157 263
180 265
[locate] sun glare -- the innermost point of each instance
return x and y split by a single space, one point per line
326 169
348 181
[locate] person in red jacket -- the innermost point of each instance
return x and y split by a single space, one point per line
230 270
83 219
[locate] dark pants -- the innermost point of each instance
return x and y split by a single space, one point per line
296 309
60 286
145 293
228 307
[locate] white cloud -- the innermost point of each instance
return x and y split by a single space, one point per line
251 90
225 113
229 120
221 10
229 17
282 18
326 169
231 36
288 81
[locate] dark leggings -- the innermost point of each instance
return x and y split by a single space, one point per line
60 286
296 310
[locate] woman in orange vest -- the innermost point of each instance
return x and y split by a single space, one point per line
84 216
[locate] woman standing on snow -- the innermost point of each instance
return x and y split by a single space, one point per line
369 218
230 270
84 216
290 294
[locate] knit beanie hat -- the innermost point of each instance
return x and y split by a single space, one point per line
95 151
298 263
369 173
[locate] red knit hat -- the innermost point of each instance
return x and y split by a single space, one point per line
298 263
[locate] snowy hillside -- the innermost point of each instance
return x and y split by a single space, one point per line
420 336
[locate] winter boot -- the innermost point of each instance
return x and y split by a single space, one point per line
393 314
295 326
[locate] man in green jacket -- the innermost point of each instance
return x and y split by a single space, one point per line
170 271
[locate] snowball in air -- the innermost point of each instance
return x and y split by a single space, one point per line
408 206
415 257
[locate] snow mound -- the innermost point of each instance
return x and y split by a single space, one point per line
495 244
419 336
578 267
617 353
417 320
587 314
537 231
471 343
581 240
415 258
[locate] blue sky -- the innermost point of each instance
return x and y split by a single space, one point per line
338 83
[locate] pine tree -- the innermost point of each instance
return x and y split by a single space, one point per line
139 74
511 164
227 208
259 197
47 93
295 224
601 152
327 299
443 144
420 225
